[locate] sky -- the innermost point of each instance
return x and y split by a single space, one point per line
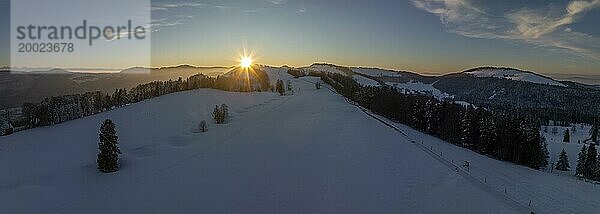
425 36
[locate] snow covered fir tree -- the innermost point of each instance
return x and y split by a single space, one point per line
566 136
221 113
588 166
581 164
280 88
6 127
108 148
563 162
594 133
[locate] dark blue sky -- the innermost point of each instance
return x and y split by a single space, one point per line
440 36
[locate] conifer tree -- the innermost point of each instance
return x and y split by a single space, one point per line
563 162
289 85
280 88
217 115
597 171
594 133
224 112
566 136
580 168
6 127
591 160
108 154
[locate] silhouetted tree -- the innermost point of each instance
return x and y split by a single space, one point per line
280 88
590 162
108 154
581 167
594 133
563 161
225 112
566 136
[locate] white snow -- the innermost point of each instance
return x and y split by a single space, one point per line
541 191
365 81
276 73
464 103
512 74
376 72
306 153
325 68
421 88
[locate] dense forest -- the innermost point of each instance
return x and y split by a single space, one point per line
575 103
502 134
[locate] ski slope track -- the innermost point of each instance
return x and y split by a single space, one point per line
310 152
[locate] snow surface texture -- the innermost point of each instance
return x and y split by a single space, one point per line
512 74
275 73
325 69
376 72
420 88
365 81
306 153
541 191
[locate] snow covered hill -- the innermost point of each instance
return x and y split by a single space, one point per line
415 87
311 152
513 74
307 153
365 81
327 68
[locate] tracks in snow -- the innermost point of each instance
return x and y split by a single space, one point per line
451 165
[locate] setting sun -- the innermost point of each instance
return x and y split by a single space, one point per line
246 62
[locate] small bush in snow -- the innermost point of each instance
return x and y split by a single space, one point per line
203 127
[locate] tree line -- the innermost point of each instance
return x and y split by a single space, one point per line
58 109
504 135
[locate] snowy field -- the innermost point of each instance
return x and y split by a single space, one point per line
307 153
325 69
542 192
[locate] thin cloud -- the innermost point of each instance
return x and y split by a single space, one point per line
277 2
253 10
167 6
302 9
533 26
158 24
